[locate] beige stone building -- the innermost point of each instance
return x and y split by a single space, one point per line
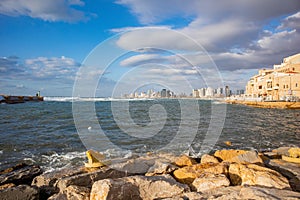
282 83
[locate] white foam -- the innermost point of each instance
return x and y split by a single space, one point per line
1 151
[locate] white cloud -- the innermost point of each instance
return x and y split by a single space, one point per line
48 10
52 68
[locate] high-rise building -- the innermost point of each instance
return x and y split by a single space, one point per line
195 93
227 91
163 93
202 92
209 92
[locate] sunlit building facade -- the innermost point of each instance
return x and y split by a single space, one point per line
282 83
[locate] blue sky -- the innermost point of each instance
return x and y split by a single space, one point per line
47 45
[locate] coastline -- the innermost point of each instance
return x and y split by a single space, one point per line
224 174
266 104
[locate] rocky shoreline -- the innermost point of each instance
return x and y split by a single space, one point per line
267 104
226 174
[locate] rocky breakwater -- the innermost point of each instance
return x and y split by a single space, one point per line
226 174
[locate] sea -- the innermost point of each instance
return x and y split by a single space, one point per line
56 133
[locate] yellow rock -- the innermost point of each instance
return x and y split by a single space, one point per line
95 159
238 156
189 173
291 159
294 152
228 143
208 159
185 160
251 174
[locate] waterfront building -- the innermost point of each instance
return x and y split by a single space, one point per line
195 93
280 83
227 91
163 93
209 92
202 92
219 92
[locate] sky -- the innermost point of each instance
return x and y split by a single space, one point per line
109 48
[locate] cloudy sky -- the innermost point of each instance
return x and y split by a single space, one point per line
127 45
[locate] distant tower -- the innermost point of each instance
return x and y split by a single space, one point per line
163 93
227 91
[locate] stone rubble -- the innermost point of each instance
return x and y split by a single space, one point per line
227 174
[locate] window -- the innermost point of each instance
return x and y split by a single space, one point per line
283 86
260 87
296 84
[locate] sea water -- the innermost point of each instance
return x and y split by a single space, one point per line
45 133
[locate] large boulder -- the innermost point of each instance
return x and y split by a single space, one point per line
88 179
161 167
289 170
294 152
137 187
238 156
19 174
282 151
206 158
249 192
23 192
190 173
72 192
209 181
251 174
185 160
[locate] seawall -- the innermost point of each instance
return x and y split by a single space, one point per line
264 104
19 99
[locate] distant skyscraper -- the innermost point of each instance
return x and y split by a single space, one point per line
227 91
163 93
209 92
195 93
202 92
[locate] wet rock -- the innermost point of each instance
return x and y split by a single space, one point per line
72 192
208 159
272 155
188 174
238 156
137 187
87 179
241 174
161 167
185 160
289 170
294 152
19 174
23 192
209 181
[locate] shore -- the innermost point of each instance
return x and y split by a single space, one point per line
266 104
224 174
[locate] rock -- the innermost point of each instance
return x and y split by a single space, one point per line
228 143
209 181
208 159
249 192
73 192
289 170
88 179
282 151
189 173
238 156
192 196
272 155
185 160
109 189
294 152
7 185
160 167
137 187
291 159
241 174
95 159
23 192
134 166
19 174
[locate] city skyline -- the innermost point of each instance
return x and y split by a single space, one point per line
44 44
